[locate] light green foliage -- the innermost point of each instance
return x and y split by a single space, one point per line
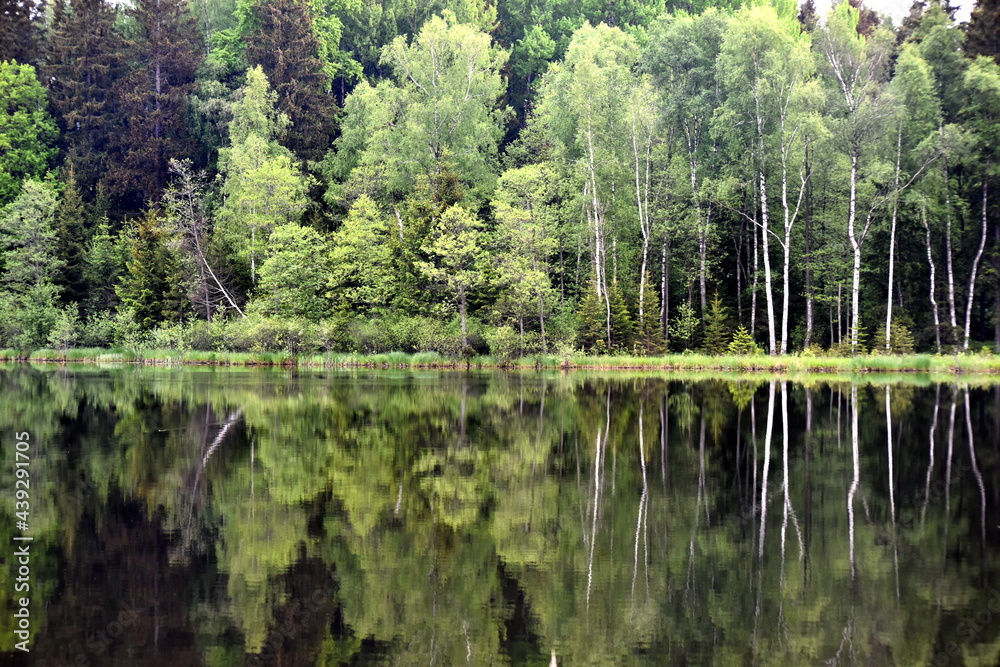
328 26
27 131
444 101
29 296
362 263
456 258
30 263
294 277
65 329
263 186
29 248
255 111
525 240
684 326
104 263
743 343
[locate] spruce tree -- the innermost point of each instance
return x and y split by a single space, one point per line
71 238
151 286
622 328
18 32
83 62
153 97
982 32
591 329
650 335
285 45
717 330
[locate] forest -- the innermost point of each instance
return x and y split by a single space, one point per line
510 178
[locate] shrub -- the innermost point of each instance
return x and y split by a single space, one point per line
901 341
504 343
97 331
743 344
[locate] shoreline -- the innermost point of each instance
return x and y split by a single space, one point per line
961 364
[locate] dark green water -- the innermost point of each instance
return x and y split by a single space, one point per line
252 517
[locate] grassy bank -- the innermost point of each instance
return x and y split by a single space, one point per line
919 363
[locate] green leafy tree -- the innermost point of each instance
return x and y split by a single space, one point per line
525 240
363 262
684 326
582 113
442 104
27 131
294 277
263 186
30 265
456 259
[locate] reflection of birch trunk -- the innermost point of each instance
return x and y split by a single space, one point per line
947 466
975 470
643 504
598 469
664 424
767 464
700 499
857 476
892 487
789 511
930 465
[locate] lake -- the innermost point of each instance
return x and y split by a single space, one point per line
206 516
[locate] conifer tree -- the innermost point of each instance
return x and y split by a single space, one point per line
153 98
285 45
71 236
83 62
650 334
717 331
591 329
982 32
151 288
18 32
622 328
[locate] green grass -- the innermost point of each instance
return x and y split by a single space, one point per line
792 364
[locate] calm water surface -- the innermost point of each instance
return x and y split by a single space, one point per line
254 517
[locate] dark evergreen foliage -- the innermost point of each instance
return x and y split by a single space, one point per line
153 99
285 45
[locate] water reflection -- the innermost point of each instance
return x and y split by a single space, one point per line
257 517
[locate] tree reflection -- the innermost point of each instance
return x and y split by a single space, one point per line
476 517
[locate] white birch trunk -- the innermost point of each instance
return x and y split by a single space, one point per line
975 262
930 262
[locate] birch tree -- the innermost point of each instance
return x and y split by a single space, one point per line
584 111
682 58
983 83
765 65
857 66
